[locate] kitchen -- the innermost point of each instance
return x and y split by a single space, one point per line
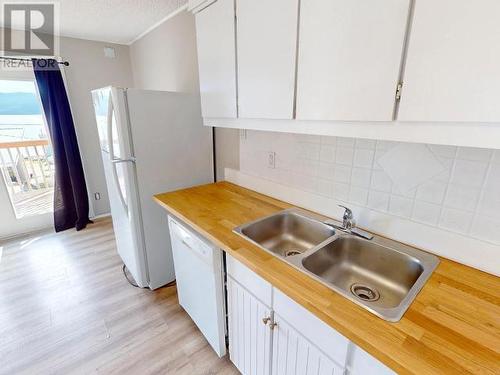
339 213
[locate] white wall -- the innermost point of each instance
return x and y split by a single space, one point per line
454 198
88 70
166 59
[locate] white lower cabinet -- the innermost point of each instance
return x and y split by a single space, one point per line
249 335
269 333
362 363
293 354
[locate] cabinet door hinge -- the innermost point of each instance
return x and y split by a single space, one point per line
399 89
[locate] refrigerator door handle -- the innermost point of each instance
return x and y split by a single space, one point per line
110 126
129 160
114 160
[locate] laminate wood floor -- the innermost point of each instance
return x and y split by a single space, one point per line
65 308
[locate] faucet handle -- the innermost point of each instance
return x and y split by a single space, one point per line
348 218
347 212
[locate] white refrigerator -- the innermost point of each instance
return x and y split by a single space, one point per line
151 142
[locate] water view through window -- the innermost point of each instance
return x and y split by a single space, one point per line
26 158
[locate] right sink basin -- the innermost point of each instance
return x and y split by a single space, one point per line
366 270
382 275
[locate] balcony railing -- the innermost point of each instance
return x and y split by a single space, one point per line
28 171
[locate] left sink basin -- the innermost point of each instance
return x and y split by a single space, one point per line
287 233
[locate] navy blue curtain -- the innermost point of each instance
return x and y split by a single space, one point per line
71 204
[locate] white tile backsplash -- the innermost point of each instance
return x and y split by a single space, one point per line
342 173
410 165
368 144
486 228
477 154
327 153
363 158
344 155
358 195
341 191
378 200
400 206
452 188
469 173
462 197
427 213
456 220
496 157
361 177
381 181
432 191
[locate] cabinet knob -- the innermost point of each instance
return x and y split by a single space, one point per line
266 320
273 326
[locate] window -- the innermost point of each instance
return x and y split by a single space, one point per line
26 158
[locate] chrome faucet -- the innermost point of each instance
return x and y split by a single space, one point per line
349 225
348 218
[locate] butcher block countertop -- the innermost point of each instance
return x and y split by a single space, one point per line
452 327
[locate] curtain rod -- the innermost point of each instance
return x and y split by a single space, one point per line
65 63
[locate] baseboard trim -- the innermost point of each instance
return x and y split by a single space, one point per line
462 249
15 237
101 216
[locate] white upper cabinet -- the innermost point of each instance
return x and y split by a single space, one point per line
453 64
266 44
350 54
215 33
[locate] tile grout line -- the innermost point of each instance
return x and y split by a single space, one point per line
481 193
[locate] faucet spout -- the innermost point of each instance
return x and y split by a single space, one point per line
349 225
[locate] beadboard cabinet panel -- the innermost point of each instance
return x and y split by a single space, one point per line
266 47
249 336
350 55
452 69
295 355
362 363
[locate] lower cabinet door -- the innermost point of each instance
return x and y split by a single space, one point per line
249 331
294 354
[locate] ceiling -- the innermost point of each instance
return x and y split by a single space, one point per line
112 21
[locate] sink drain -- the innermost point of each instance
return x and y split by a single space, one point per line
290 253
365 293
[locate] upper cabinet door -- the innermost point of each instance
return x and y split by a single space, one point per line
350 54
453 65
215 29
267 44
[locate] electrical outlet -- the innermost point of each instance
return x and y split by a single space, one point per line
271 159
97 196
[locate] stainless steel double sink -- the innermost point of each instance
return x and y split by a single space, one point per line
381 275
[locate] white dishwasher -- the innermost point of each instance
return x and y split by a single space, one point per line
200 283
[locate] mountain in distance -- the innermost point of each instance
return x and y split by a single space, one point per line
19 103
